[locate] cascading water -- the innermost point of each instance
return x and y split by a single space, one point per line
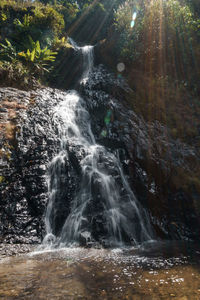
103 187
88 61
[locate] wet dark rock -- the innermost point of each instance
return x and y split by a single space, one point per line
67 69
3 110
150 158
7 250
148 154
85 238
24 194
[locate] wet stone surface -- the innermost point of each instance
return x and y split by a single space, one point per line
24 183
77 273
148 155
8 250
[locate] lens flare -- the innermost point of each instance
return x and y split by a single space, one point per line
133 19
120 67
134 16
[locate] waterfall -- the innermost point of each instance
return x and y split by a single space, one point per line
88 61
103 186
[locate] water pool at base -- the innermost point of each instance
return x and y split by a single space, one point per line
164 270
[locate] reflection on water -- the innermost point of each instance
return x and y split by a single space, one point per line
153 271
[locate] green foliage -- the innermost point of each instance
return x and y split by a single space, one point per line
92 22
123 17
163 29
48 18
3 17
2 179
161 52
8 51
25 24
37 57
16 75
61 43
41 22
69 12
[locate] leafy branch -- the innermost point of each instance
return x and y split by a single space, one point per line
37 57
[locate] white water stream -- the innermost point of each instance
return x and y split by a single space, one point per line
121 216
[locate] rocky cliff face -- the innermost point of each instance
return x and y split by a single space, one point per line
24 165
152 161
157 165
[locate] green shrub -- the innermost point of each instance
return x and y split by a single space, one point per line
2 179
164 43
25 24
48 18
165 29
69 12
8 52
60 43
38 58
16 75
41 22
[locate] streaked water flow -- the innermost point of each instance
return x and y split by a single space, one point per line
123 216
88 61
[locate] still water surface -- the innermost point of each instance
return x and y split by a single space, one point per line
164 270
